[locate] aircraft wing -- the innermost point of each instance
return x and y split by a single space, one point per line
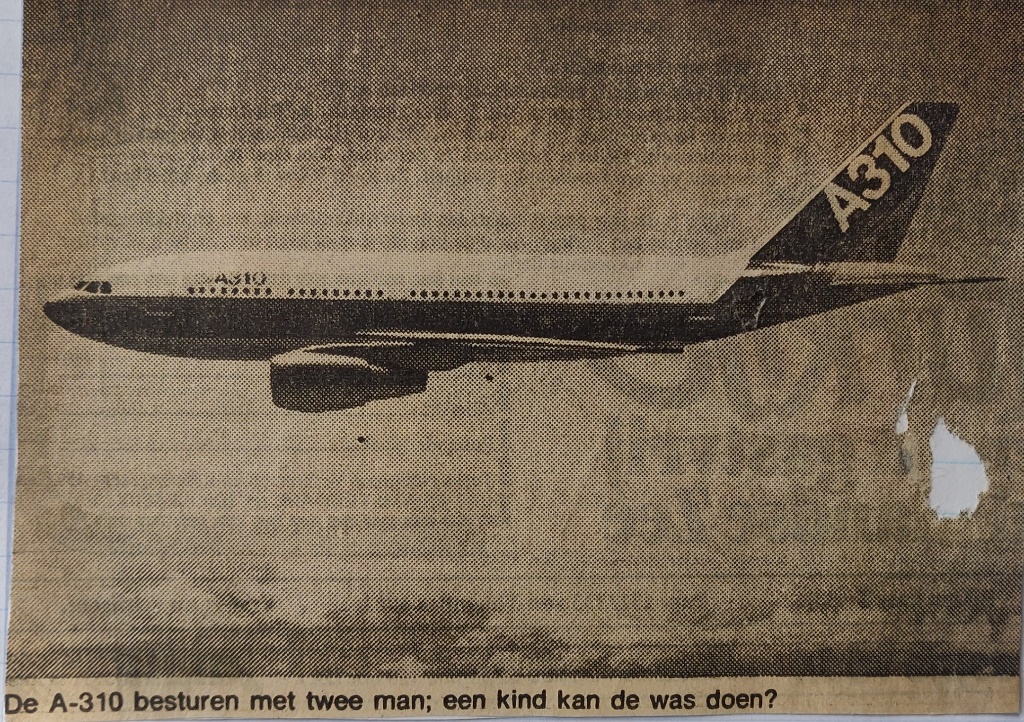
444 351
387 364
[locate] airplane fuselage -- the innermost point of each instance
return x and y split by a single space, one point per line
252 328
172 306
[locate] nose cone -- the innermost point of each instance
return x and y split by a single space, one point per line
66 312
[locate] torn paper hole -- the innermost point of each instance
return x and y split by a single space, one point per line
958 474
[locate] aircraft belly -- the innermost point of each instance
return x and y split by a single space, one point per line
244 328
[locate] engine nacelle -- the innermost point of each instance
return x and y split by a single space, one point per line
316 382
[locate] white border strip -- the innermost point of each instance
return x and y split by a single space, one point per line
10 194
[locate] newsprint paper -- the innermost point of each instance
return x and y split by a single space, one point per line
394 359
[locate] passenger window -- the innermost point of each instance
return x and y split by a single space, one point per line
80 285
92 287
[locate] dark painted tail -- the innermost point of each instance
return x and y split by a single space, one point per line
863 211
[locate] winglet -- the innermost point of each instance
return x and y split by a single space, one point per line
863 210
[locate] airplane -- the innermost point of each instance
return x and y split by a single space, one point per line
345 329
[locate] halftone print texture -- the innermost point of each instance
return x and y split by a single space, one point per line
744 506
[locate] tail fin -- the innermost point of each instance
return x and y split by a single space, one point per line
863 211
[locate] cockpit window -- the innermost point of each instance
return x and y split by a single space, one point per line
94 286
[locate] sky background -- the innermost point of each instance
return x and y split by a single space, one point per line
744 508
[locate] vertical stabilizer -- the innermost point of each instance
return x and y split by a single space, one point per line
862 212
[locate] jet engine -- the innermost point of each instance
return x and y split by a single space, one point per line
317 382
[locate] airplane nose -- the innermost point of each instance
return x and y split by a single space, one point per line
66 313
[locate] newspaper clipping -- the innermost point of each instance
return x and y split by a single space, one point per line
425 359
